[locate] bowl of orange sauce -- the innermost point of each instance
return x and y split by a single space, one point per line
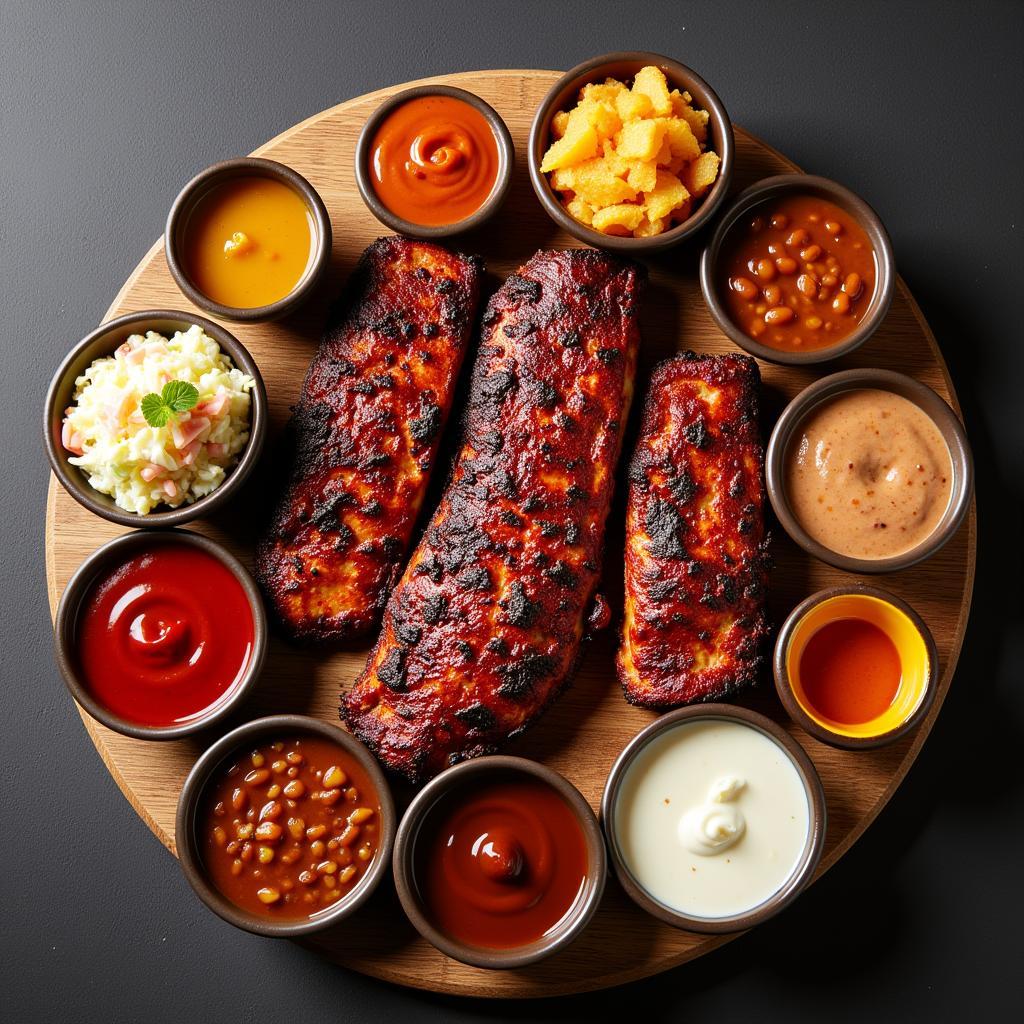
856 667
248 239
434 161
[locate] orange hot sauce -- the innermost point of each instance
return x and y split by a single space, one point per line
434 160
850 671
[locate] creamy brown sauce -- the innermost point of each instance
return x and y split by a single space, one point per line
868 474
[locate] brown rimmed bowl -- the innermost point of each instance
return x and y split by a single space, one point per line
623 66
925 399
103 342
919 661
108 558
184 205
712 286
802 874
189 805
490 206
473 773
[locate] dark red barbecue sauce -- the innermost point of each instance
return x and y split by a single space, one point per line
500 865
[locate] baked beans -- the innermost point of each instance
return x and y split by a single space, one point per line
800 273
289 845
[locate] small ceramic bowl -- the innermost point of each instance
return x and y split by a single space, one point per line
802 873
919 663
924 398
364 155
474 773
623 66
109 557
189 803
102 342
246 167
781 185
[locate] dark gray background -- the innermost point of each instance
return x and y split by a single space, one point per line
107 108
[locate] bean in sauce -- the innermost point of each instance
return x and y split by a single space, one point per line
289 827
799 274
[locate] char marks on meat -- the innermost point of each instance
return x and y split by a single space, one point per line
500 586
365 433
696 553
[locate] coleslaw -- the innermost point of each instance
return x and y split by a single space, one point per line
142 466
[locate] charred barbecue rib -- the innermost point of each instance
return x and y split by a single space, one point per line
366 429
484 628
696 565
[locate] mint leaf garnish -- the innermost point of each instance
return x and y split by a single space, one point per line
177 396
180 396
157 414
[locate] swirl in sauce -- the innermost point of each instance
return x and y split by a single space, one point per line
166 637
716 824
434 160
501 865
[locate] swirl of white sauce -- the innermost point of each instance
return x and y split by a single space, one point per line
717 824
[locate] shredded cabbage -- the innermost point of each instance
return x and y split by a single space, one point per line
141 466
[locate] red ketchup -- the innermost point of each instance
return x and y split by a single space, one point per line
164 638
501 865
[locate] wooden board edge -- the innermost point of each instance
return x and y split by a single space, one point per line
452 985
91 727
389 90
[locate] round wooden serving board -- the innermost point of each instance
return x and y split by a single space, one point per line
585 730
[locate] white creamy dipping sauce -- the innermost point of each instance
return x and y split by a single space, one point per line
712 818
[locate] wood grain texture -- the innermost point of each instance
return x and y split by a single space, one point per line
583 733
